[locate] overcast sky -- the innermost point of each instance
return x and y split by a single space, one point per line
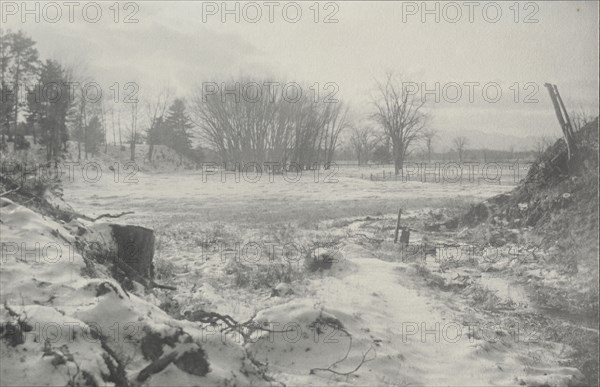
172 45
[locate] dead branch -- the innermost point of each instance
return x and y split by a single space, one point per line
360 364
232 325
160 286
117 372
156 366
105 216
334 364
374 240
10 191
131 273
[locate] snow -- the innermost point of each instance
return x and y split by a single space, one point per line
409 336
66 308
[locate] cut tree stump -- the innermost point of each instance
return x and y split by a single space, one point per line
135 247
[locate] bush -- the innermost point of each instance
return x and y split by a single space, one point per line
263 276
322 262
21 143
164 269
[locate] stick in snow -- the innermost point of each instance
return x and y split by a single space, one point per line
105 216
397 226
10 191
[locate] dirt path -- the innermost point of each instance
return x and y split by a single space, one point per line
417 339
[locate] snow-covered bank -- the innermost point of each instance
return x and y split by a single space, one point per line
61 327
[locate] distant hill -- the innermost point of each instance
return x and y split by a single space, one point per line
494 140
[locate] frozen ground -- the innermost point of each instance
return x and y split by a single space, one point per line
314 196
369 313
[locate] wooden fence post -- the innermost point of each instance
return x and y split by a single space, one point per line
397 226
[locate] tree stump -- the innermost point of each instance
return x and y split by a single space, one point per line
135 247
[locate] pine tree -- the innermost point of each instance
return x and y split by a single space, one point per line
20 64
95 135
49 107
178 126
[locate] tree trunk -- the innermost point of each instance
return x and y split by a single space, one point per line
120 138
398 161
132 148
112 115
16 90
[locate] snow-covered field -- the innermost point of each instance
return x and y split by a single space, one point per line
367 320
223 196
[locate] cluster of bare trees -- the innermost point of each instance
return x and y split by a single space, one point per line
270 127
363 141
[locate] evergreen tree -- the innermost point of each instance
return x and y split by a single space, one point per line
49 107
156 134
178 126
94 135
19 66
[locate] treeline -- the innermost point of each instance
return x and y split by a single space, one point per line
21 74
240 121
266 126
44 99
383 155
48 101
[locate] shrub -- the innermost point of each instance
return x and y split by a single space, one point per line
259 276
21 143
164 268
322 262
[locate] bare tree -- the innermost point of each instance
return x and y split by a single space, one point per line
119 125
269 128
400 115
104 127
428 135
542 143
363 141
112 116
156 110
335 122
580 118
133 134
460 143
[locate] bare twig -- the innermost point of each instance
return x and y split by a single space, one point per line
360 364
105 216
156 366
333 365
10 191
131 273
375 240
